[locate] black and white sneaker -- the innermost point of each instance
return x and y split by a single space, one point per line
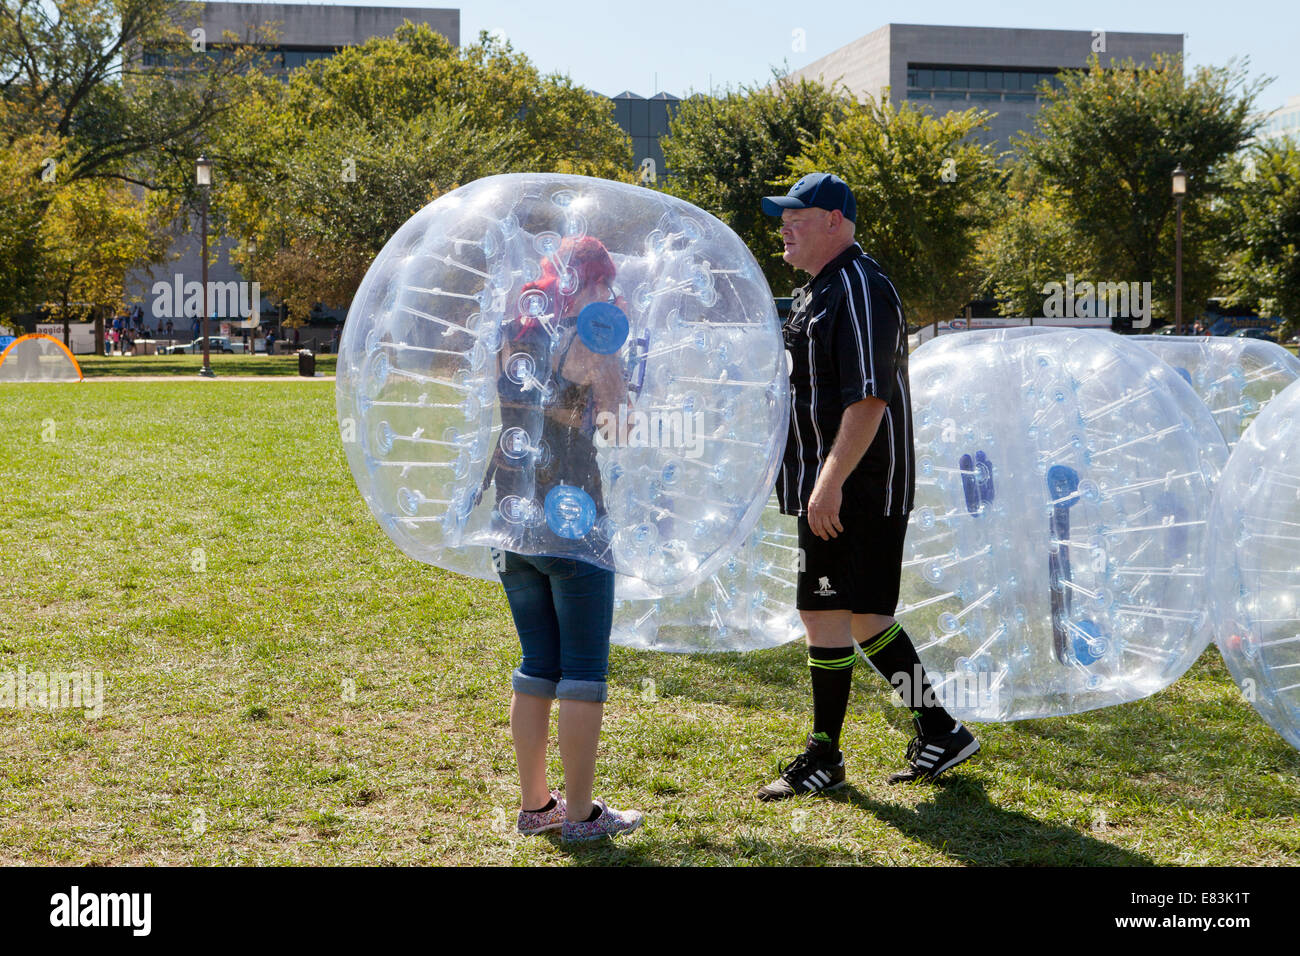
927 757
810 772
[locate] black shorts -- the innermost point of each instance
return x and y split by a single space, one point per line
858 570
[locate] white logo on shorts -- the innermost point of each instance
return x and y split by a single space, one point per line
824 588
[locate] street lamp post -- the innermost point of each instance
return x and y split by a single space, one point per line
254 313
203 177
1180 189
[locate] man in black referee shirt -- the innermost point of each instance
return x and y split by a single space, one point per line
848 474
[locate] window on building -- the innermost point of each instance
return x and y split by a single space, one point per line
927 78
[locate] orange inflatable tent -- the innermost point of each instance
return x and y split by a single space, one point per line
38 358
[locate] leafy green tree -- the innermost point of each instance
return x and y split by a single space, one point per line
316 175
25 190
1263 205
1106 143
72 78
75 69
725 153
924 190
1028 244
92 233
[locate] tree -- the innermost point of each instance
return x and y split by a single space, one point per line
25 189
1028 245
74 69
1262 198
923 192
315 176
93 232
1107 141
725 153
77 104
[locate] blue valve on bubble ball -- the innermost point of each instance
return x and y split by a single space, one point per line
602 327
570 512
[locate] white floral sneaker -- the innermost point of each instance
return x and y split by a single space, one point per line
533 822
609 823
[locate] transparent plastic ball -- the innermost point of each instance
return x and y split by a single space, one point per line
561 365
746 604
1254 566
956 340
1234 377
1054 561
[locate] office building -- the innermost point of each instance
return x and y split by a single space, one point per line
992 68
1281 122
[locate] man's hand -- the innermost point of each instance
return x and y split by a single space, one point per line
858 429
824 509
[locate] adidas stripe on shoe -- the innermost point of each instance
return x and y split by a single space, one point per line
928 757
806 773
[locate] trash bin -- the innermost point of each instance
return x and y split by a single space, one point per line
306 363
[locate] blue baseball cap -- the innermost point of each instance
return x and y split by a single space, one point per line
816 190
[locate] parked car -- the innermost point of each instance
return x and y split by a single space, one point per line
216 343
1253 334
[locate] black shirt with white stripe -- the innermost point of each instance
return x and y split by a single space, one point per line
847 340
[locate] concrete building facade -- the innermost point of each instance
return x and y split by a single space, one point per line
993 68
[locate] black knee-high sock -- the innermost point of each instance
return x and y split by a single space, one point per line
832 676
891 652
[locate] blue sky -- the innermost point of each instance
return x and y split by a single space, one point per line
679 46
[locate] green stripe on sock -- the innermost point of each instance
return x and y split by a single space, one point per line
883 641
839 663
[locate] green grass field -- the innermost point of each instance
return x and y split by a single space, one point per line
283 686
116 366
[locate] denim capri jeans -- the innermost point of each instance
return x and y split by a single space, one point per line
563 610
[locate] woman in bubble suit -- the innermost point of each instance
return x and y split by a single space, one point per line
562 607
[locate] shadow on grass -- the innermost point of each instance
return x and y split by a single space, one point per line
963 823
960 822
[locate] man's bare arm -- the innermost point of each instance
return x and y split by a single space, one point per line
858 429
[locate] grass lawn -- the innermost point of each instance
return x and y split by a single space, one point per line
100 366
283 686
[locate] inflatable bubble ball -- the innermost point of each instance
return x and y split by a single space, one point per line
1255 564
561 365
1054 561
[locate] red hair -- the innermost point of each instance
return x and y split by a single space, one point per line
589 260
